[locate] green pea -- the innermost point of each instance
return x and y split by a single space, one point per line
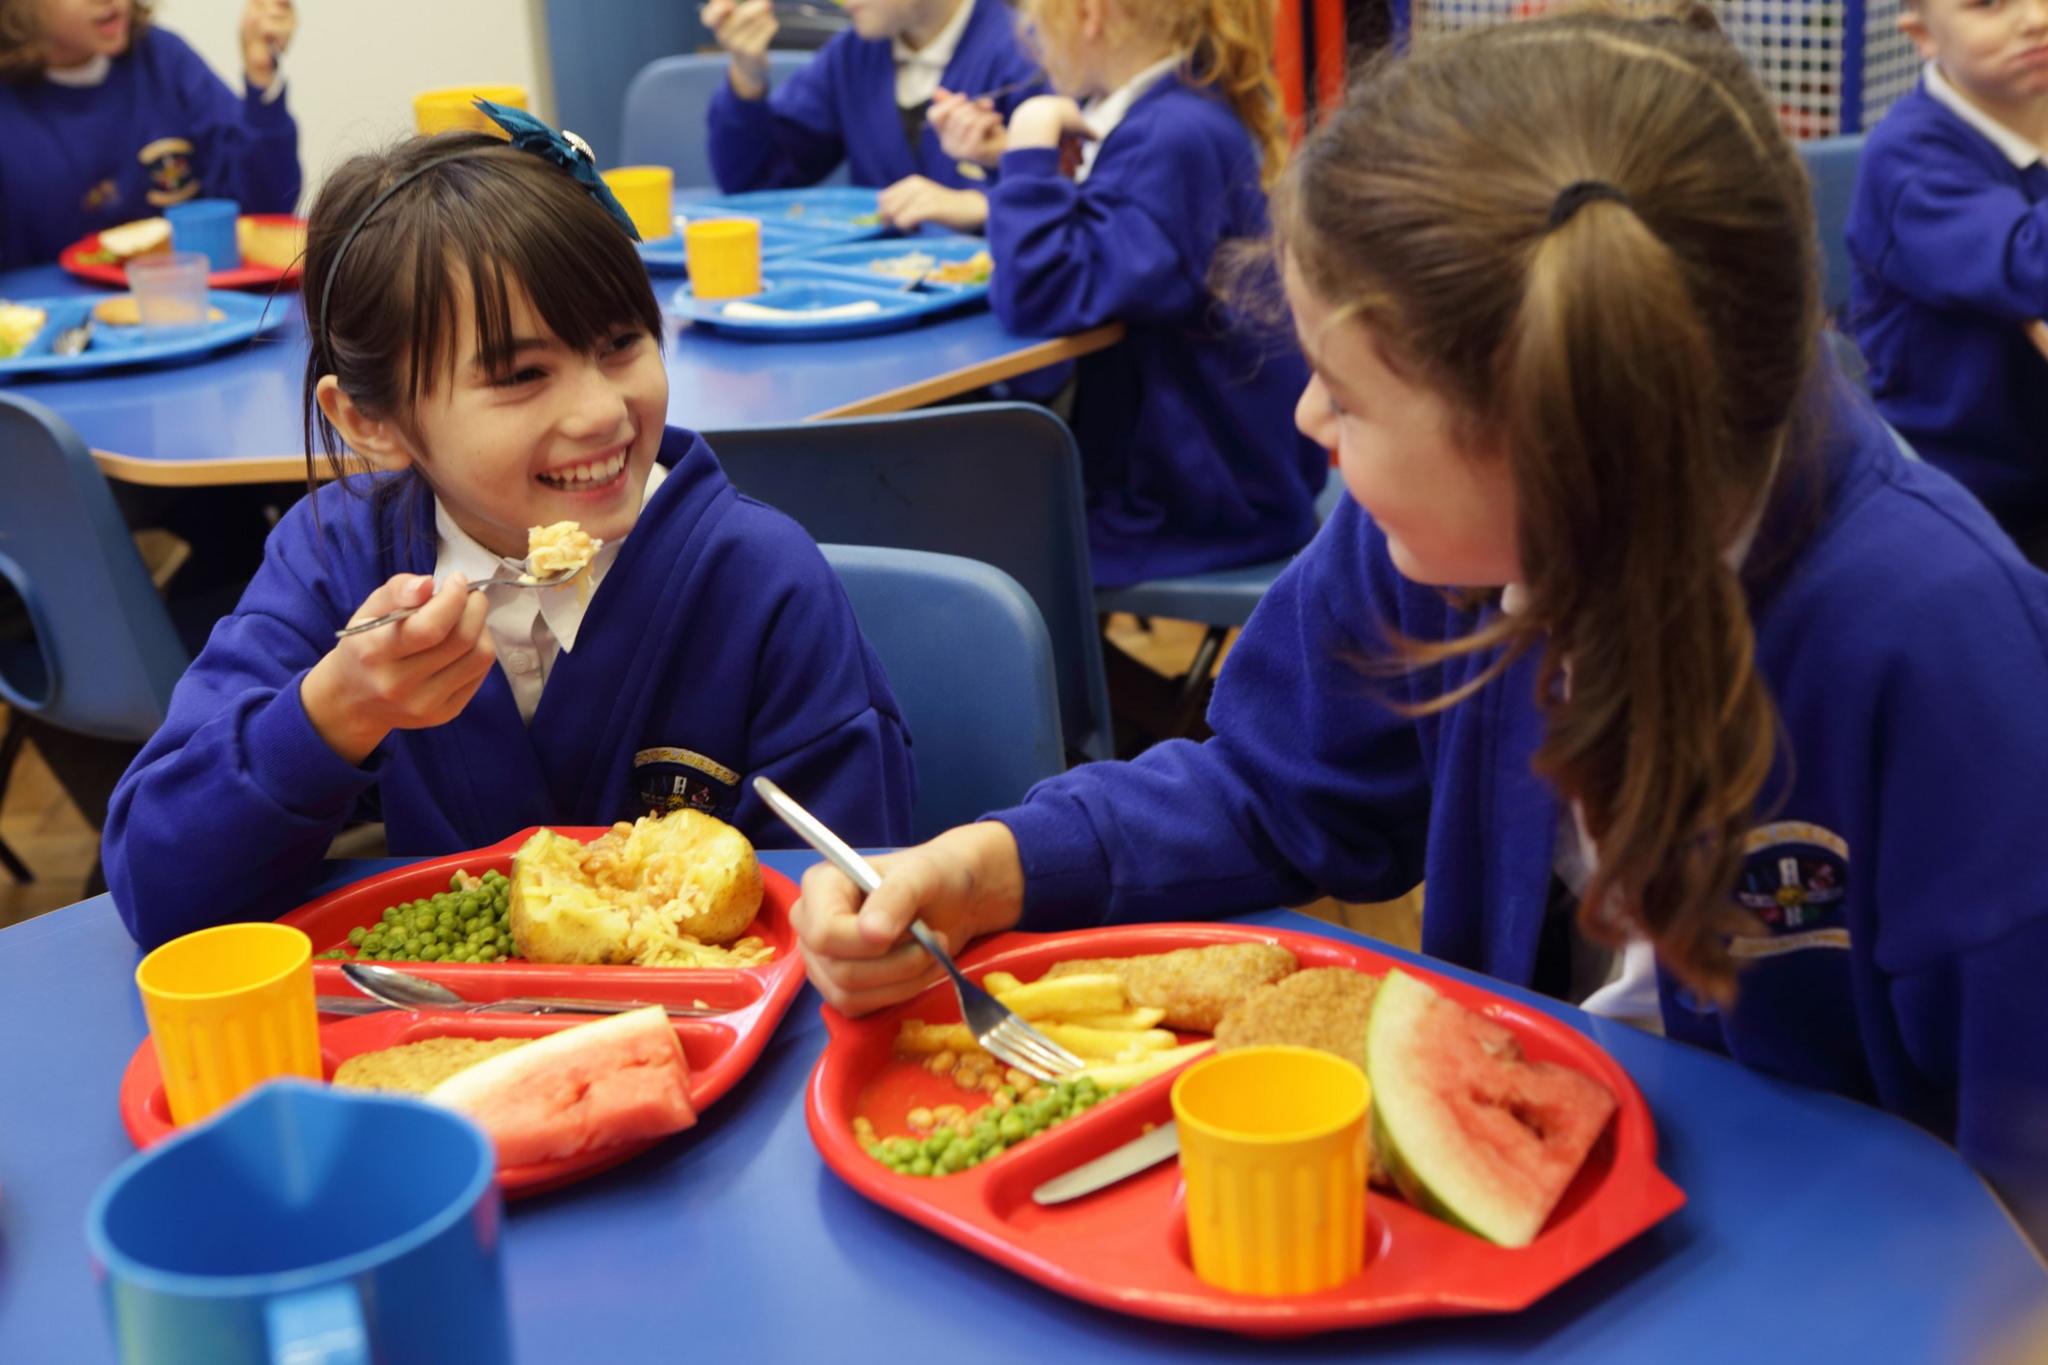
920 1165
1012 1126
487 954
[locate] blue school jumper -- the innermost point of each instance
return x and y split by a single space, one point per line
161 129
1898 869
719 647
841 106
1186 427
1950 245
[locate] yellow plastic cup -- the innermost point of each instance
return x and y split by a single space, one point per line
724 257
230 1008
647 193
1273 1150
451 108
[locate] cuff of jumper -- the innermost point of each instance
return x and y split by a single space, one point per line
293 765
1066 877
1030 161
265 107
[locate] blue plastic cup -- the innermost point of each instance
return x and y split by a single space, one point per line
306 1224
207 226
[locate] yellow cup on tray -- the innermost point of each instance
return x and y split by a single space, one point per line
453 107
230 1008
1273 1151
724 257
647 194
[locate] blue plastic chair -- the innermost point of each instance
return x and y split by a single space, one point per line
663 123
102 654
970 662
1831 168
997 482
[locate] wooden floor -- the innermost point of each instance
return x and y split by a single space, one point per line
40 824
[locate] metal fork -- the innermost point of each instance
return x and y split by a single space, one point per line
1002 1032
517 578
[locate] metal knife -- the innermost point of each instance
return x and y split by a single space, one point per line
1140 1153
348 1004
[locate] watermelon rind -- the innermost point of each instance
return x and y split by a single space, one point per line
1413 1131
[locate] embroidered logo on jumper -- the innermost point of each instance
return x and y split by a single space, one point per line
667 779
1795 877
169 162
101 197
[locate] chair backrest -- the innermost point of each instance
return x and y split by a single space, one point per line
997 482
104 655
971 666
667 103
1831 167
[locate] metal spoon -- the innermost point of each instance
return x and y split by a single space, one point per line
503 577
404 991
72 340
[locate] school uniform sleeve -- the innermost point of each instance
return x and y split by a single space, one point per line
1311 783
1943 229
789 138
228 810
823 724
248 148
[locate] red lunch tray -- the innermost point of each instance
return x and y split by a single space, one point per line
1125 1247
72 258
719 1049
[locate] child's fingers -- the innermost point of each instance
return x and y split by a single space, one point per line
917 971
396 592
429 629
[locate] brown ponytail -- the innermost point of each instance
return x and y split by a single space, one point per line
1232 43
1640 363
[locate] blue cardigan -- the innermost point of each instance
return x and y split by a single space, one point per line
161 129
841 106
1950 245
1186 427
719 646
1899 868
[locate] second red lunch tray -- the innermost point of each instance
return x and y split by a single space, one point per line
720 1049
1125 1247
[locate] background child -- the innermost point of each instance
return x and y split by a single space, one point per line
104 119
1183 426
1556 281
862 100
484 333
1949 235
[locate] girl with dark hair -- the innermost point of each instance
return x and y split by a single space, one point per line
1639 640
486 358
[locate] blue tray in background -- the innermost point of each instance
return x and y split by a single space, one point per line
791 221
112 347
857 261
665 255
799 291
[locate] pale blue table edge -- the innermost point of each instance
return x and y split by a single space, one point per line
1829 1232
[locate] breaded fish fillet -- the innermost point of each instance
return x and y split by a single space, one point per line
1193 985
416 1068
1321 1007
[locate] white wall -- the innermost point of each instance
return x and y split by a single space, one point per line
356 64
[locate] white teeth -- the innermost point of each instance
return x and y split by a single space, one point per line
576 476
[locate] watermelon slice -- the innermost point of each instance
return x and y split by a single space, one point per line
1469 1129
615 1080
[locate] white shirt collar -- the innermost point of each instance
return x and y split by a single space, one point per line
562 608
934 57
1103 113
84 76
2017 149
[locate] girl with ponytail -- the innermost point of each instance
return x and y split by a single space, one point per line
1689 695
1113 200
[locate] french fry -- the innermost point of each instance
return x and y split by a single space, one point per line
1106 1044
918 1039
1120 1075
996 983
1067 995
1133 1020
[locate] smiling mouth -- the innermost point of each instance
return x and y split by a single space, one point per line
582 478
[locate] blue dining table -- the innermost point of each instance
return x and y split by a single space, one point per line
236 417
1815 1229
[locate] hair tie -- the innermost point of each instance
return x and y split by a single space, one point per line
1581 192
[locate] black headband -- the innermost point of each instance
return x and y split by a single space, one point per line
348 238
1579 193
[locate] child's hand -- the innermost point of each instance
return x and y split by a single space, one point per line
914 201
1046 121
963 884
267 29
969 130
409 675
744 28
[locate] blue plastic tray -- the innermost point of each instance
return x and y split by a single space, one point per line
798 289
664 256
792 221
857 262
122 346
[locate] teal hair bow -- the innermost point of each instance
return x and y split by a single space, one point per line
565 149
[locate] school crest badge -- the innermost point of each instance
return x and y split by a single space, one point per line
666 779
1795 878
169 163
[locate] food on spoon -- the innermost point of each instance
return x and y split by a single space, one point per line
1195 986
678 890
274 246
20 325
558 548
125 310
1470 1130
144 237
614 1080
416 1068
